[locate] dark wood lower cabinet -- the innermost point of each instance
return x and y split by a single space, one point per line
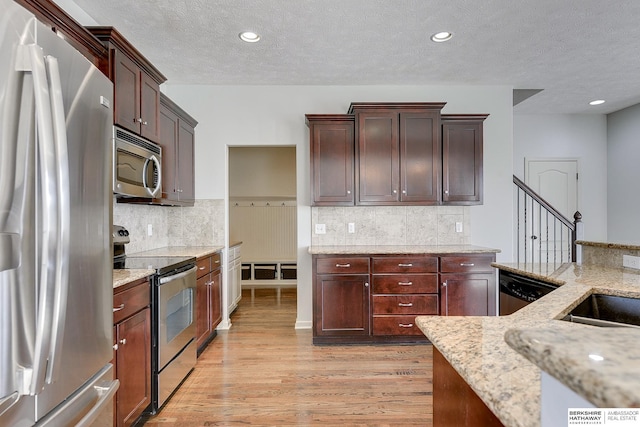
208 299
132 352
455 404
376 298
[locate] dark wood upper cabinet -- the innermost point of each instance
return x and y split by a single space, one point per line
177 139
462 150
136 85
332 159
398 157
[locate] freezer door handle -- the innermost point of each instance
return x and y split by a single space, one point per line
88 404
63 219
7 402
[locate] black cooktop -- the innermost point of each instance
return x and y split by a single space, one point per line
162 265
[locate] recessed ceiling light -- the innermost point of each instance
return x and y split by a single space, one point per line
442 36
597 102
249 36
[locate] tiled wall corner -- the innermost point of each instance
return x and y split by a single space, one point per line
200 225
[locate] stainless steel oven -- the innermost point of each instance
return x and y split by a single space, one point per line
173 330
176 331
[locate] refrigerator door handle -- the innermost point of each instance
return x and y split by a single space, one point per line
63 216
48 196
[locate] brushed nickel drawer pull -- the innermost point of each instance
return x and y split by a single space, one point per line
118 308
201 268
405 304
405 283
467 264
405 265
405 325
343 265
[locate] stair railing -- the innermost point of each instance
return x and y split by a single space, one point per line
543 234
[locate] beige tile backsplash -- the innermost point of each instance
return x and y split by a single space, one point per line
392 225
200 225
203 224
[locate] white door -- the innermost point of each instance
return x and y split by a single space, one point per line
556 181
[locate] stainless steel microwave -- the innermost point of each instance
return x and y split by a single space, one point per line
137 165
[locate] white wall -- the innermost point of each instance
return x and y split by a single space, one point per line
581 136
623 189
274 115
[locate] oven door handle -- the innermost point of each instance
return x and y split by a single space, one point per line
178 276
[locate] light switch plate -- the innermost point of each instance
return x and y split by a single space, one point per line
149 230
458 227
321 229
351 227
631 261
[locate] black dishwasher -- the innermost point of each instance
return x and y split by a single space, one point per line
517 291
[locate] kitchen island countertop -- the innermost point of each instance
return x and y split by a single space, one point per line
509 383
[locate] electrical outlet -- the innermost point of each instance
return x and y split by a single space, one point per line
149 230
321 229
458 227
352 227
631 261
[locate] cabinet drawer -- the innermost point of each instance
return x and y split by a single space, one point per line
405 284
405 304
423 264
204 266
130 301
216 261
395 325
466 264
343 265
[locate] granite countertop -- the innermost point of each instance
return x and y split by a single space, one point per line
399 249
122 277
509 383
196 251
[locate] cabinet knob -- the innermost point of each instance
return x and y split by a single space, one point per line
444 284
366 284
115 347
348 191
145 123
404 191
138 120
446 192
395 191
123 341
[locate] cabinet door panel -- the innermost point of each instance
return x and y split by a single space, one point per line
216 299
127 92
468 294
332 163
420 157
341 305
462 162
149 108
378 160
203 309
169 143
133 361
186 142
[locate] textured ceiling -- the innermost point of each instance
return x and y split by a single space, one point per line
575 50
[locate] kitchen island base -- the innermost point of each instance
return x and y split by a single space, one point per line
454 402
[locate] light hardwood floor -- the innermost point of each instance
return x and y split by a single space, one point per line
262 372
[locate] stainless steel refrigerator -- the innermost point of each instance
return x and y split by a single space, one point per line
56 292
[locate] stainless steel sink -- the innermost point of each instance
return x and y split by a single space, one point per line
607 310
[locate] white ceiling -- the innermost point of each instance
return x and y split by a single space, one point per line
575 50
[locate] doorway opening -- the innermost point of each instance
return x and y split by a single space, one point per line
263 216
